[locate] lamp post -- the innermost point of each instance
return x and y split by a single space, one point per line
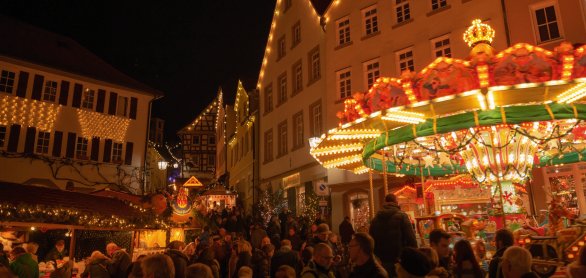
162 164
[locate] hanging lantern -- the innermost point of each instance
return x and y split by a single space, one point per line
163 164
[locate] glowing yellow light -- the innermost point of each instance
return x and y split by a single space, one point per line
404 117
30 113
94 124
572 94
570 256
336 149
478 32
342 161
360 170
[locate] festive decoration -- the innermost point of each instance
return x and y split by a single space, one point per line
270 204
94 124
478 32
192 182
181 204
59 215
27 112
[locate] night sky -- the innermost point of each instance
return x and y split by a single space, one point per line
187 49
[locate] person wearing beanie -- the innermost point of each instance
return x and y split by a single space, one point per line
413 264
392 231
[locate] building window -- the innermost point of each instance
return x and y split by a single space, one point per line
269 145
50 92
212 140
296 32
282 96
344 82
211 160
7 81
298 130
88 99
546 20
297 77
315 119
117 152
405 60
282 47
437 4
403 10
81 148
343 31
122 109
314 64
269 98
371 72
282 139
441 47
43 142
2 135
370 21
196 140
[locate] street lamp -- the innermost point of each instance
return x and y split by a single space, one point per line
163 164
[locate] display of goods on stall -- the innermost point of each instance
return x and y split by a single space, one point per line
494 117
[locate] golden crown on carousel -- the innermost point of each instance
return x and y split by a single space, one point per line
478 32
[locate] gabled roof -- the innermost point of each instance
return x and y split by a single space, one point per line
211 109
321 6
30 44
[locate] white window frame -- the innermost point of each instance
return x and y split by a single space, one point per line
297 77
398 54
282 80
268 146
81 148
283 133
402 6
282 44
43 142
442 48
440 4
542 5
296 34
314 64
7 79
122 106
343 32
371 71
88 99
316 112
370 18
344 82
117 152
50 91
298 129
268 98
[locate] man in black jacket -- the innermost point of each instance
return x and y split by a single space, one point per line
503 239
180 260
285 256
346 230
121 261
361 251
392 231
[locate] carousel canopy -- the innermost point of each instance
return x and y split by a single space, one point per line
491 115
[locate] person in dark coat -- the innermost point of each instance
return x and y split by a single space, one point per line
180 260
96 266
118 267
285 256
3 257
346 230
295 240
361 251
503 239
392 231
58 252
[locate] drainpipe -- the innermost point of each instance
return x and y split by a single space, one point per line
506 22
146 145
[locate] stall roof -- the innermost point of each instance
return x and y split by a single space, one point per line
35 195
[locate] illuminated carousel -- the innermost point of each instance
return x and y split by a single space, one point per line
493 117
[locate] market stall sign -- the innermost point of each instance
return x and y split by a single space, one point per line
192 182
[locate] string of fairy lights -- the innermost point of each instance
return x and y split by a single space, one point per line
94 124
27 112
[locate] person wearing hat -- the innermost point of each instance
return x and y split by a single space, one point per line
320 265
58 252
413 264
392 231
321 235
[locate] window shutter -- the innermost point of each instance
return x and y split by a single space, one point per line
128 156
37 87
107 150
95 148
112 106
77 89
22 84
57 142
64 94
133 107
13 139
70 151
101 101
29 143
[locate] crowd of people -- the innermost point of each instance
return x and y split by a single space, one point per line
289 246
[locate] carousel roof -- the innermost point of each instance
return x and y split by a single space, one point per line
519 85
